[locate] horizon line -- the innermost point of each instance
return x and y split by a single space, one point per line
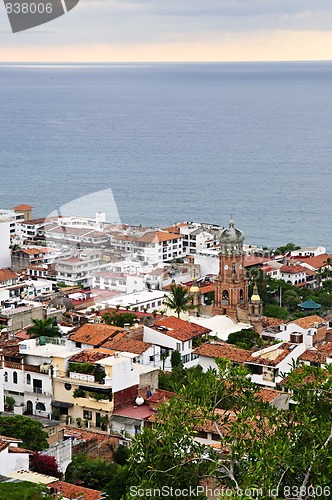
167 62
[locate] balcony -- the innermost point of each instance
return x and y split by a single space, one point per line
84 377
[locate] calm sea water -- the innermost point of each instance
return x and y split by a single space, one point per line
175 142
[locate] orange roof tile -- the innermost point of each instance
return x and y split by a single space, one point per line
7 274
267 395
283 350
68 490
292 269
270 322
22 207
160 396
89 356
179 329
308 321
318 261
223 350
158 236
94 334
128 345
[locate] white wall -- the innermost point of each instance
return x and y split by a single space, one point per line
5 255
123 375
209 263
13 462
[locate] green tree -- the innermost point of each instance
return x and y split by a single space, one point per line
179 299
44 327
289 247
274 311
176 358
290 299
246 337
119 319
30 431
98 474
24 491
262 446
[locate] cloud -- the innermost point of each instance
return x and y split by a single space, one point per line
130 25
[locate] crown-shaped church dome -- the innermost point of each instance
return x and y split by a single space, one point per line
231 235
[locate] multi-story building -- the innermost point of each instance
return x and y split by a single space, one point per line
171 334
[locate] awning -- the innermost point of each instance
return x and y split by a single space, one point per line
61 404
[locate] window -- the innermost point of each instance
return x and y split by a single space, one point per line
87 415
178 346
185 359
6 376
15 377
29 379
67 387
40 406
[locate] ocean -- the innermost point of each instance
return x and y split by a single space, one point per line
198 142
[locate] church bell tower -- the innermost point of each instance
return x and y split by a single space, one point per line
231 292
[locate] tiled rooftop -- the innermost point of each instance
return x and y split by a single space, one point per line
308 321
68 490
223 350
179 329
95 334
128 345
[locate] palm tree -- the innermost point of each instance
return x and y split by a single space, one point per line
44 327
179 299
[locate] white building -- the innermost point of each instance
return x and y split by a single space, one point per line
12 457
172 334
148 300
5 256
78 269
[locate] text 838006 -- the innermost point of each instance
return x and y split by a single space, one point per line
29 8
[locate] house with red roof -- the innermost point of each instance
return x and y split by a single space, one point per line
172 334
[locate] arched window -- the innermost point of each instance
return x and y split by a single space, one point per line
6 376
225 297
233 268
28 378
15 377
40 406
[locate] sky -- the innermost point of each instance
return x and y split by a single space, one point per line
176 30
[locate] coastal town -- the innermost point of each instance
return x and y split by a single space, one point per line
99 321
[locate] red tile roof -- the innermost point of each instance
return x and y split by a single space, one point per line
223 350
292 269
22 207
318 355
68 490
268 395
134 411
283 352
271 322
318 261
89 356
128 345
94 334
160 396
308 321
253 260
7 274
179 329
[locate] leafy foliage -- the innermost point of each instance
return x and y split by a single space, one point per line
44 327
179 299
98 474
246 339
262 445
176 358
30 431
119 319
44 464
23 491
